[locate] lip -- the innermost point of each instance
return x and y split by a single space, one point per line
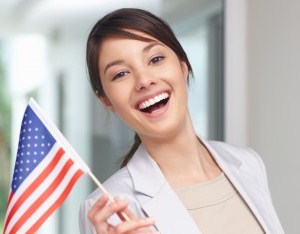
147 97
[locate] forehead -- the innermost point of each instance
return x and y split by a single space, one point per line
127 34
118 46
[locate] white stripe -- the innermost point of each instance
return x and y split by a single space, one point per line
50 201
32 176
39 190
58 135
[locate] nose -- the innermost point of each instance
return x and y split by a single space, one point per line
144 81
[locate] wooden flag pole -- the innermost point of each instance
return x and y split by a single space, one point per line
106 192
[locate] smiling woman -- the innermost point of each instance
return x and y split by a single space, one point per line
139 71
153 70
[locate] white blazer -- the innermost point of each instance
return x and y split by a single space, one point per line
144 185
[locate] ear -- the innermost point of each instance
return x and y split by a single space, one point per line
106 103
185 69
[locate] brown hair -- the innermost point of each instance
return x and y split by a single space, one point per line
117 24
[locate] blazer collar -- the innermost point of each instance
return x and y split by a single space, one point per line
145 173
144 170
149 180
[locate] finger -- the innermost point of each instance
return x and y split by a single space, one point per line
125 212
135 225
99 204
108 210
147 232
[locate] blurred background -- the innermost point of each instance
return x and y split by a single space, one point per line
245 56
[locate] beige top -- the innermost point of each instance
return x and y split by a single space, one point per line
217 207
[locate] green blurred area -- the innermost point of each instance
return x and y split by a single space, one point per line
5 143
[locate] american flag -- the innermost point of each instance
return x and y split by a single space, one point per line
46 169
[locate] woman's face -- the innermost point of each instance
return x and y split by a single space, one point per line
145 84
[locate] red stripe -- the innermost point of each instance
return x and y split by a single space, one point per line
43 197
9 197
33 186
57 203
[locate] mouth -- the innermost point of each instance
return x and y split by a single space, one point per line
155 103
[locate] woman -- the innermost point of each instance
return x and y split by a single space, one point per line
172 181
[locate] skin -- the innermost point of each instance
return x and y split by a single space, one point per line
131 72
101 211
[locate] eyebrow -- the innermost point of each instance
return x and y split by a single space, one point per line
146 49
150 46
117 62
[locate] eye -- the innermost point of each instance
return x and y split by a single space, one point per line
156 59
120 75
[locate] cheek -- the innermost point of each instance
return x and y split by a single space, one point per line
118 96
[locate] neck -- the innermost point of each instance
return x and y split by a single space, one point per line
182 158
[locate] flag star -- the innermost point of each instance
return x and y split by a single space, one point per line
28 161
34 160
35 145
28 145
24 122
24 130
27 169
21 161
29 129
49 144
43 137
35 153
29 137
36 129
42 144
22 146
22 153
21 169
28 153
23 138
36 137
20 177
30 121
42 153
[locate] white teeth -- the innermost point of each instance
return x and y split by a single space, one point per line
153 100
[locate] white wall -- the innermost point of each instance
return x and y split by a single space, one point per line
269 65
274 99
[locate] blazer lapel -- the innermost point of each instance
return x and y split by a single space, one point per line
246 183
170 214
157 198
155 192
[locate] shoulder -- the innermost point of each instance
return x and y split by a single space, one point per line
118 183
245 155
240 152
241 157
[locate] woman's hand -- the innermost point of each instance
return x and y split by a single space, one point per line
101 211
